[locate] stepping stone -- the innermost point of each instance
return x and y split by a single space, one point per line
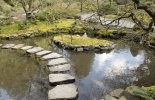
18 46
26 47
58 61
34 50
7 46
42 53
60 68
51 56
57 79
0 45
63 92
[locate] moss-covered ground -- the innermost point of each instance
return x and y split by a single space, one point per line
41 26
80 41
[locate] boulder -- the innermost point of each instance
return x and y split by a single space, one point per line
80 49
117 93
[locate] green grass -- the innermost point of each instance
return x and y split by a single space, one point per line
13 30
78 40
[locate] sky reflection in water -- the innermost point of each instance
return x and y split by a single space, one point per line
106 67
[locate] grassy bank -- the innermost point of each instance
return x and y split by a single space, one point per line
80 41
40 26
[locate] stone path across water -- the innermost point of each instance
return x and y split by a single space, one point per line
64 90
51 56
60 68
58 61
34 50
56 79
18 46
8 46
43 53
26 47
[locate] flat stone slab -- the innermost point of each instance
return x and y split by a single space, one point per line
117 93
42 53
7 46
18 46
57 79
51 56
108 97
26 47
63 92
34 50
0 45
60 68
58 61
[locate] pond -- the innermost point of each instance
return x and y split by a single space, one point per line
96 73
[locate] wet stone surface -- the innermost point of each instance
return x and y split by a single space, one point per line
58 61
63 92
18 46
57 79
26 47
60 68
51 56
7 46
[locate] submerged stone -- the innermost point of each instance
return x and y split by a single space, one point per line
34 50
51 56
42 53
26 47
60 68
58 61
63 92
56 79
18 46
7 46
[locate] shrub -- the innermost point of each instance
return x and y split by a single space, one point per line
22 24
42 16
106 8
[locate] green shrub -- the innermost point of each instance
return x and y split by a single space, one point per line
22 24
42 16
106 8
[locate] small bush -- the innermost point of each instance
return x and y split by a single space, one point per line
42 16
22 24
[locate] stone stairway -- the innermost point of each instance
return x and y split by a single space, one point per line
63 83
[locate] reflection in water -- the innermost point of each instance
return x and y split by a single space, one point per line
96 74
108 70
20 77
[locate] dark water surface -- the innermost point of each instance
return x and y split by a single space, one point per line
129 63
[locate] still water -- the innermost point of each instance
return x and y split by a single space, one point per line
21 77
